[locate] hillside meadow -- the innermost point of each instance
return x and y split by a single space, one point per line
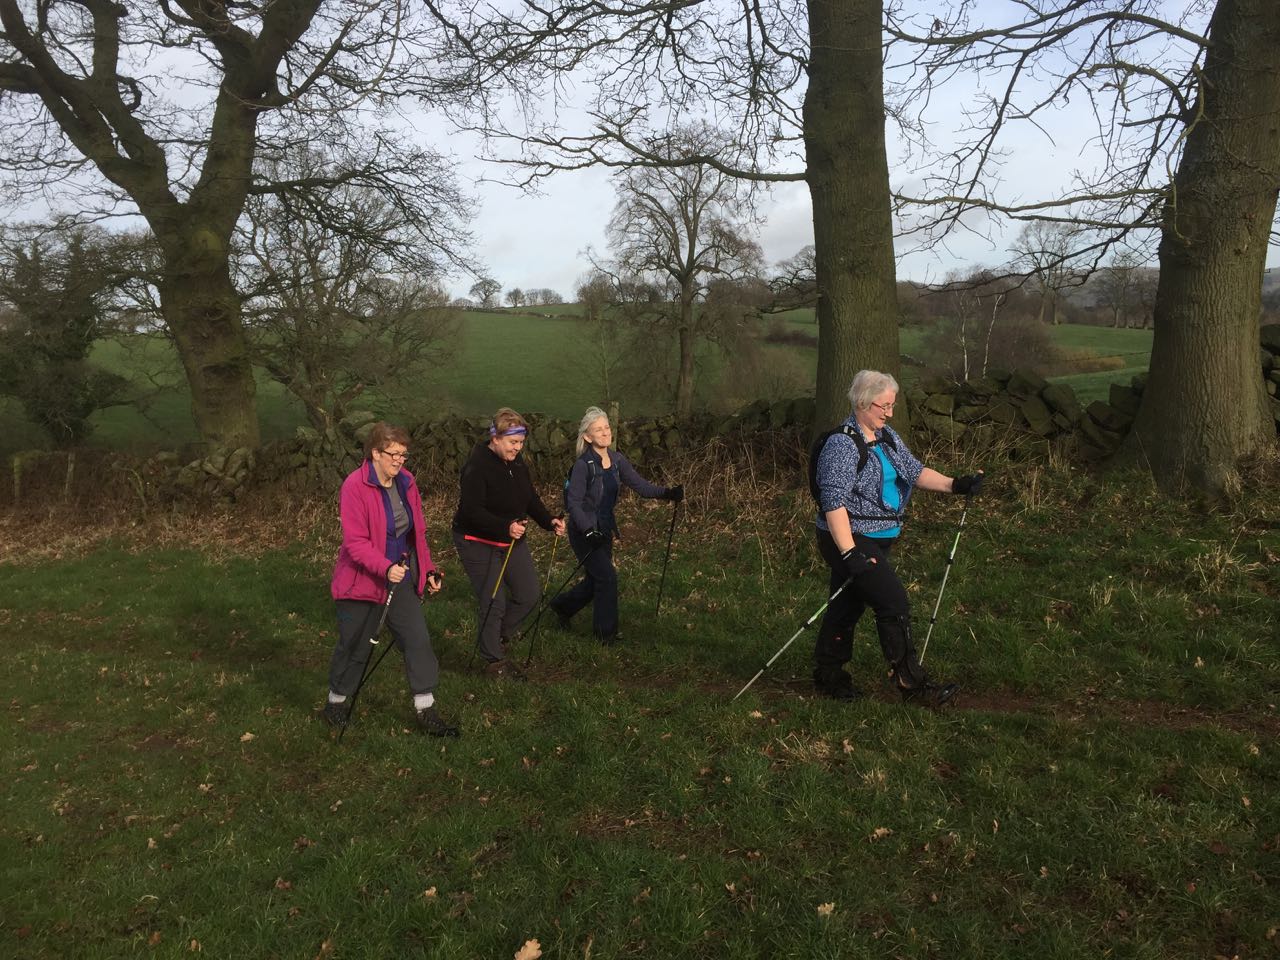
536 363
1104 785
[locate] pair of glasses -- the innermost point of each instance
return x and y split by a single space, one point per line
397 457
885 407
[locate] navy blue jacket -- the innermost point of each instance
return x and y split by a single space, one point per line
586 487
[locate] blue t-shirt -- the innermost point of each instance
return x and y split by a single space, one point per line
889 492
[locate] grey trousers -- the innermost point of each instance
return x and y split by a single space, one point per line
499 615
357 620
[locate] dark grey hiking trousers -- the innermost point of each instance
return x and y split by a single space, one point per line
516 596
357 620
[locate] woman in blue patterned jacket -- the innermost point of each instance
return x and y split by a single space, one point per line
594 483
865 476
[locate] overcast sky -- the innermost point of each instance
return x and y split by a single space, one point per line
532 241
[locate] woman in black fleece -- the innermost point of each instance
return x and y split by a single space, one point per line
496 501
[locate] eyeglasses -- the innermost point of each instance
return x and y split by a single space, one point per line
885 407
397 457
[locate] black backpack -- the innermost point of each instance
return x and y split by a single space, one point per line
592 467
864 453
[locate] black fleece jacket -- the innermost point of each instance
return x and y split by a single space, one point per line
492 493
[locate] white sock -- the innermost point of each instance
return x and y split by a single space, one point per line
423 700
336 697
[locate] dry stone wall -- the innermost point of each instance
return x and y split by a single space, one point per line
1019 410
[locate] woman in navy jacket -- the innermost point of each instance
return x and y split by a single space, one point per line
590 497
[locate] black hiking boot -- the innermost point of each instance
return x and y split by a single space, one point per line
929 694
609 639
909 676
433 725
833 682
336 714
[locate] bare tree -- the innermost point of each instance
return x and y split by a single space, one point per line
485 292
543 296
515 297
798 84
796 282
1186 113
681 227
973 322
168 110
605 348
334 313
1045 253
1118 287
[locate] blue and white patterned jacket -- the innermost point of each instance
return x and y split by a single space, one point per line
842 484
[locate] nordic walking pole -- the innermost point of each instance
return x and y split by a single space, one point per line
533 628
807 624
951 558
675 508
373 642
492 597
555 542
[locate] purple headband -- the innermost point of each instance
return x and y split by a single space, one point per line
509 432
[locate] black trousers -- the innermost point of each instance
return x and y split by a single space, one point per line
598 587
879 588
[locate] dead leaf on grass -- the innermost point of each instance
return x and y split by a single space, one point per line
531 950
246 737
326 950
826 909
194 946
429 893
154 939
879 833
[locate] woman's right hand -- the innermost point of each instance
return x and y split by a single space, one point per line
397 572
517 528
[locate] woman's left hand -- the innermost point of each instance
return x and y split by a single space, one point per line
435 580
557 524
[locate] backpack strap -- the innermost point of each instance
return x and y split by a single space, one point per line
864 454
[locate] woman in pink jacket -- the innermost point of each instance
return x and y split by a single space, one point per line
384 542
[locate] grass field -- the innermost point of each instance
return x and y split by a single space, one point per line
1106 785
535 363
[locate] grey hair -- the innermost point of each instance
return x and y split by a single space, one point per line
591 416
867 385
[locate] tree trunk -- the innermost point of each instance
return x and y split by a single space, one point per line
848 176
202 310
1204 406
684 380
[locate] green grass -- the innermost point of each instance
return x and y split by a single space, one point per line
1105 786
533 363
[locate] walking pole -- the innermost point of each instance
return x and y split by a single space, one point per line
675 508
555 542
807 624
951 558
366 672
493 596
533 628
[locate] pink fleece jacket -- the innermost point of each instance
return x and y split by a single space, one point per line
361 570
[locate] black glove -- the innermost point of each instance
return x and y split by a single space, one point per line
674 494
855 563
968 485
595 537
